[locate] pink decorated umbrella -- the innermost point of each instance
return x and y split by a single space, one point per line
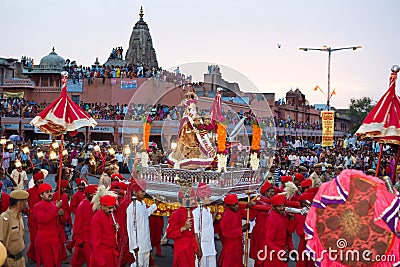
383 121
354 221
61 116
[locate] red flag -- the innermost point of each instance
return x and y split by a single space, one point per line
216 111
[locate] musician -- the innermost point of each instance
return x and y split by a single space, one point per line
203 227
180 228
232 232
103 234
34 198
84 214
46 213
137 222
278 235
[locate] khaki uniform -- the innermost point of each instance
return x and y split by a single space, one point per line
12 236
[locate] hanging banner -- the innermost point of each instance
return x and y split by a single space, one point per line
129 84
328 127
7 95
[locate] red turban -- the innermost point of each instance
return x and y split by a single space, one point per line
38 176
91 189
116 177
312 190
114 185
203 191
64 183
299 177
138 185
277 200
108 201
306 196
285 179
265 187
192 194
306 183
122 185
44 187
80 181
231 199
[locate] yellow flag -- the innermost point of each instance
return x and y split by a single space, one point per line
333 93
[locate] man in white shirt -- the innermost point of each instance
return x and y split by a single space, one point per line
137 222
19 178
204 228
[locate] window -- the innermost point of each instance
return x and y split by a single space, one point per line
76 99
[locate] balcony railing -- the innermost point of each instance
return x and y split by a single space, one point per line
17 82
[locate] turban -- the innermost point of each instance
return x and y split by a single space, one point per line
123 186
138 185
306 196
299 177
44 187
114 185
231 199
38 176
203 191
265 187
312 190
91 189
116 177
64 184
80 181
108 201
285 179
277 200
306 183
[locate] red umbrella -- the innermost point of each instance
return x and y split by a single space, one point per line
383 122
61 116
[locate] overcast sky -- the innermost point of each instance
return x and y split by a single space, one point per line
243 35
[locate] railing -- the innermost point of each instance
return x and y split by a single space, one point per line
47 89
16 82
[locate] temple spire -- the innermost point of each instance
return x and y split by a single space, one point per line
141 14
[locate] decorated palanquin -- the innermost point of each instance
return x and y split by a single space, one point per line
354 214
194 149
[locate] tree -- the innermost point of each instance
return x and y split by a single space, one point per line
358 110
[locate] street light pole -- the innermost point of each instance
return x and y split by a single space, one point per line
330 50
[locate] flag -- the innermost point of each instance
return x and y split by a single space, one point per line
333 93
316 88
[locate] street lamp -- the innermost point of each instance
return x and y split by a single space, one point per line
329 50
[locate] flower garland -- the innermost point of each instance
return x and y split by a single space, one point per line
147 121
221 147
256 139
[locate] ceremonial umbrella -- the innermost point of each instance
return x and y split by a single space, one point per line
61 116
383 121
354 221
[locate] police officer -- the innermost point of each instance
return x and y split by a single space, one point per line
12 228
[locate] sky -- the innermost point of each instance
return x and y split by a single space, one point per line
243 35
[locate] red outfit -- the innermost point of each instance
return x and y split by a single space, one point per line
33 199
299 227
47 236
103 238
278 237
185 245
67 216
124 255
232 247
77 198
5 202
156 224
257 241
82 252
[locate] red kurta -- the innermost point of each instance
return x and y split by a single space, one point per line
185 245
232 247
299 227
257 241
82 252
67 217
77 198
103 238
33 199
124 255
47 236
156 224
5 202
278 238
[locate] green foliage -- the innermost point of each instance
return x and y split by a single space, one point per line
358 110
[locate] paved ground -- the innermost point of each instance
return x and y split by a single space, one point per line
167 250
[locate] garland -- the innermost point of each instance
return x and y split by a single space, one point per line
146 134
256 140
221 139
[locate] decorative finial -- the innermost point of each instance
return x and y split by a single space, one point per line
395 68
141 12
53 49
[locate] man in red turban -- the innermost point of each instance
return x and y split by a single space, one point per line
180 228
304 185
46 213
232 233
278 236
204 228
84 214
103 234
34 198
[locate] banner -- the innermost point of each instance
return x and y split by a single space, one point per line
7 95
328 127
129 84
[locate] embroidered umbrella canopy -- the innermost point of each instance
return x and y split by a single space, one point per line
61 116
354 221
383 122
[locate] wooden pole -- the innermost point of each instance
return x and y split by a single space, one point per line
246 247
378 165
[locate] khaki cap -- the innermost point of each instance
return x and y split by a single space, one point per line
19 194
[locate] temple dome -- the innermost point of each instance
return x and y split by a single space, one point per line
52 59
